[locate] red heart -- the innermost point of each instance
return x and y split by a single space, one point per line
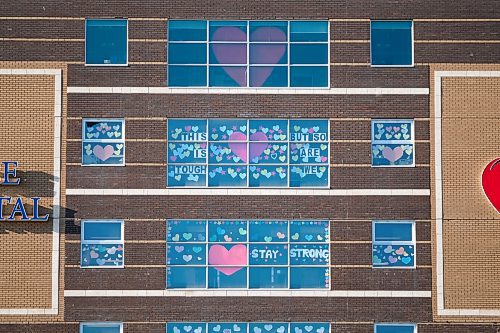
491 183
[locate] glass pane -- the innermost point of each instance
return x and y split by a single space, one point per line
228 54
309 176
393 255
189 53
223 256
392 154
186 254
227 153
303 153
268 153
268 254
309 277
312 130
233 76
309 254
103 130
187 76
100 328
106 42
309 231
186 231
95 255
187 152
187 30
102 153
228 31
309 328
186 277
268 327
227 277
391 43
309 54
392 131
308 76
227 231
304 31
186 175
227 328
227 129
381 328
268 130
268 231
393 232
268 54
268 176
187 129
102 231
268 76
268 31
227 176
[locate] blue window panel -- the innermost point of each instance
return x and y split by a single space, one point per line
187 130
227 328
392 131
186 277
268 254
101 328
102 231
187 152
309 176
187 76
186 254
310 76
307 31
227 231
227 176
309 328
309 254
95 153
268 231
187 30
106 42
314 54
186 175
101 255
390 232
268 31
394 328
309 231
188 53
268 54
227 76
186 327
268 153
392 43
227 277
309 277
304 153
228 54
227 153
186 231
227 129
273 327
228 31
268 130
268 176
312 130
393 255
392 155
267 76
103 130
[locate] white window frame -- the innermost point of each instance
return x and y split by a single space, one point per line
83 241
85 50
402 142
100 324
412 45
247 243
248 43
247 165
248 323
121 139
375 327
413 242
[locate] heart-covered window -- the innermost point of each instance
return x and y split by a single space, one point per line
393 244
103 142
393 143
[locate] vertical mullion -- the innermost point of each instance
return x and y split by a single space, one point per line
208 150
248 56
289 150
248 254
208 59
206 258
288 52
248 148
289 248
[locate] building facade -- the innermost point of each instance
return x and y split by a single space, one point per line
264 167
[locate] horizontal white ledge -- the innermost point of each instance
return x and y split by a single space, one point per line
287 91
469 312
248 293
467 74
28 71
20 312
250 191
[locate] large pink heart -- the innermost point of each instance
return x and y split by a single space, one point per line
103 153
256 149
392 155
219 255
240 149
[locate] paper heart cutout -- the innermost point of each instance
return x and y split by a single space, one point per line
219 255
491 183
392 155
103 153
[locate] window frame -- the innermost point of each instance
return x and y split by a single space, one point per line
247 244
83 241
126 64
413 242
373 142
122 139
101 324
375 326
412 45
249 323
328 42
248 164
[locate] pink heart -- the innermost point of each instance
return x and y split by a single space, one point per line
236 255
103 153
392 155
393 260
239 149
256 149
94 254
400 251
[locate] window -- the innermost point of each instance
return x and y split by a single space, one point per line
393 143
248 53
102 244
103 142
101 328
248 254
248 153
258 327
392 43
395 328
106 42
393 244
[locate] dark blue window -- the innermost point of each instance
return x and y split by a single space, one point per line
106 42
392 43
394 328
